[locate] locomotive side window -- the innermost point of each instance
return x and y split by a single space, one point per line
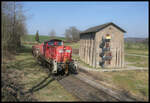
51 43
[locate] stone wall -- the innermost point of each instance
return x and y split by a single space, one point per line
89 47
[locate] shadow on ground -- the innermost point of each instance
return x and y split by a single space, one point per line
24 49
41 84
24 64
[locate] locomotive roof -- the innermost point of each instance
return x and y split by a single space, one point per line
52 40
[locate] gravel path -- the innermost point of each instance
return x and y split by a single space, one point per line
136 55
112 70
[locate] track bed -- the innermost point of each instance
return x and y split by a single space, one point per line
84 91
85 87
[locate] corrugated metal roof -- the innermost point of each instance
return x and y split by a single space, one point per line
100 27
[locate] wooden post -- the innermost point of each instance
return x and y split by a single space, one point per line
88 61
82 53
123 53
85 50
94 53
120 54
91 50
81 49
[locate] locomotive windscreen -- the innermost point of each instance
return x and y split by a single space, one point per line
55 43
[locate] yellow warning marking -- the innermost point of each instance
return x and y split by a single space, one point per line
108 37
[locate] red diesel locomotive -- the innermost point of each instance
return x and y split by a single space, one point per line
56 56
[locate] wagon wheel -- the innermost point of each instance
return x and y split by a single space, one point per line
73 69
50 68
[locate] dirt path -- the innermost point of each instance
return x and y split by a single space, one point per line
112 70
136 55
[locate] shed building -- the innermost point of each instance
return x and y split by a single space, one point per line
103 46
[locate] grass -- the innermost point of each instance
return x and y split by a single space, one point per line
31 38
137 52
138 49
73 45
137 61
33 74
136 82
136 46
54 92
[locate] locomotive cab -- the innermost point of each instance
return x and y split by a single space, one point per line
51 43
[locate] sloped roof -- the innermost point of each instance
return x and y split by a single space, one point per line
100 27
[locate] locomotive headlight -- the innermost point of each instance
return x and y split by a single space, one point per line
61 51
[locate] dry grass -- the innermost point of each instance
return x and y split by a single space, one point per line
138 52
137 61
134 82
32 74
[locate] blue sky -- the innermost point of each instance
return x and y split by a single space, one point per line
45 16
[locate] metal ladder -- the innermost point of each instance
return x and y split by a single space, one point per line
106 53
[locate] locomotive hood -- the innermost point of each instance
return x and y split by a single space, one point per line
63 53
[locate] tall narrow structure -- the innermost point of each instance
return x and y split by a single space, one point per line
103 46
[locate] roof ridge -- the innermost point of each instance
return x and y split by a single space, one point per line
100 27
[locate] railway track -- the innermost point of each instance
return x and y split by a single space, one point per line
86 89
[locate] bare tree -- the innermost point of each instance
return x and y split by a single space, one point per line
68 35
52 33
13 26
72 34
